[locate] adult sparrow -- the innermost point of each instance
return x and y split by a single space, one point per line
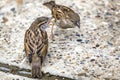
64 16
36 45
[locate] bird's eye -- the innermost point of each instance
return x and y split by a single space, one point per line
44 26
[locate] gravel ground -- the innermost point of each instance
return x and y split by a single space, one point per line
89 53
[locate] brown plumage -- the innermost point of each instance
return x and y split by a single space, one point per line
64 16
36 45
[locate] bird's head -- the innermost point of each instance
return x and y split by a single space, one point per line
50 4
42 22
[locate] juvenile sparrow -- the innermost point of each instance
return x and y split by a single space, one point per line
64 16
36 45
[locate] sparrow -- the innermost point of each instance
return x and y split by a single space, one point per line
64 16
36 45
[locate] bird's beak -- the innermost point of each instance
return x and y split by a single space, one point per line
51 21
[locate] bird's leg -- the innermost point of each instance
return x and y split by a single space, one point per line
51 33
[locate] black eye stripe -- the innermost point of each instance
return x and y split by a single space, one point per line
41 23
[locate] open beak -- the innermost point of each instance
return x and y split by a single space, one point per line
50 22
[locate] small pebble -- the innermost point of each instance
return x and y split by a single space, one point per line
100 65
110 43
97 45
92 60
111 26
77 34
4 20
81 62
56 34
86 41
13 9
98 16
108 13
81 34
49 55
66 37
113 8
79 40
117 58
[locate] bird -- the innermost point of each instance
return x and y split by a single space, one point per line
64 16
36 45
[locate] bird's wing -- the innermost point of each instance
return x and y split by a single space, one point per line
28 47
71 15
35 42
42 46
45 44
74 17
69 12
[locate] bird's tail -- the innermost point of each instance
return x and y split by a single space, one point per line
36 66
